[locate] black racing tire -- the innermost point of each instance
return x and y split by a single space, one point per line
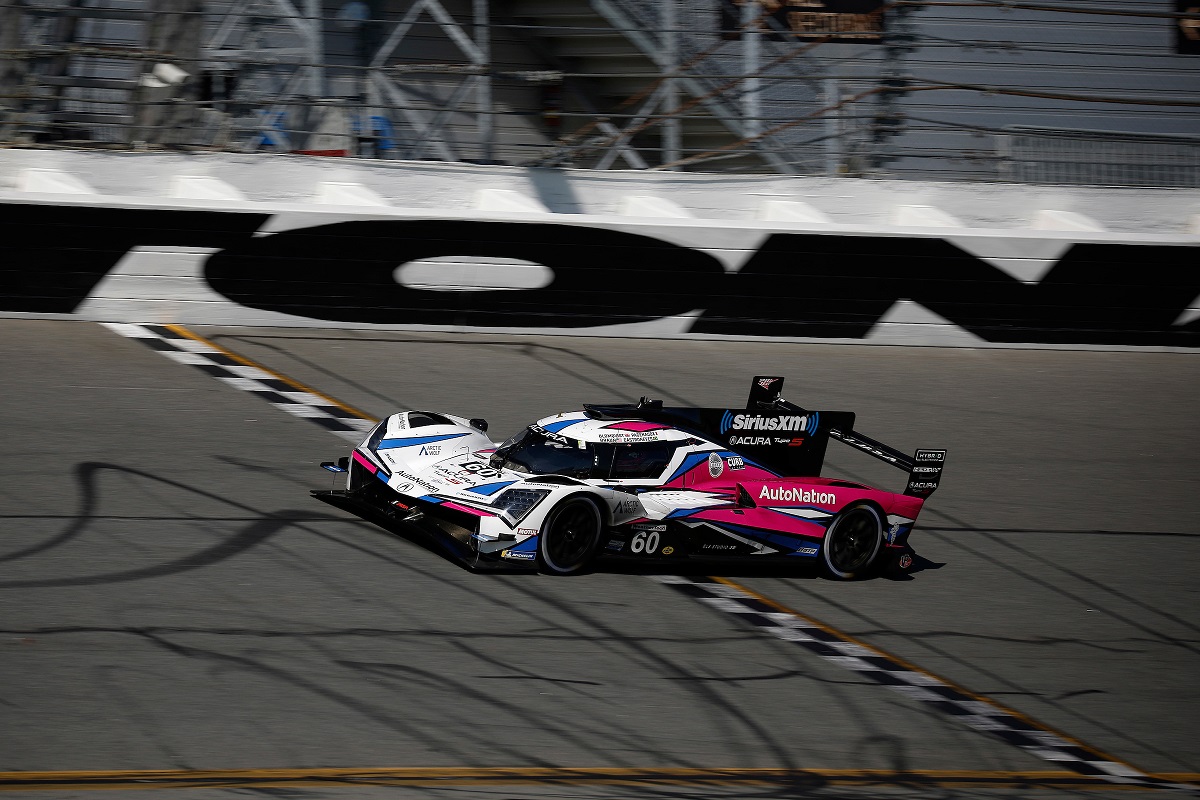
853 543
570 536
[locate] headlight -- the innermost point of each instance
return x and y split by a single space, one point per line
519 502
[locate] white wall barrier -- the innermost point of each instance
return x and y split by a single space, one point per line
93 237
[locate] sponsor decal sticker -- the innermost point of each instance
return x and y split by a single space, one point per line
554 437
668 550
735 462
642 526
926 469
766 383
715 465
615 544
719 547
430 450
526 531
807 551
905 561
801 423
518 555
922 485
627 506
479 469
749 440
621 437
796 495
931 455
416 480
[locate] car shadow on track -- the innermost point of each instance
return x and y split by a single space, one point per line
806 570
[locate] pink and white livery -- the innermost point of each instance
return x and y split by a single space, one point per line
639 481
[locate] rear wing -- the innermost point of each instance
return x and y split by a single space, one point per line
780 435
924 467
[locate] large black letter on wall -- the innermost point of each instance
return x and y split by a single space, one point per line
51 257
827 286
344 272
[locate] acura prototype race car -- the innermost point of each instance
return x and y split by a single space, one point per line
639 481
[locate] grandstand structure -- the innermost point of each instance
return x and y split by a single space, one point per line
1082 92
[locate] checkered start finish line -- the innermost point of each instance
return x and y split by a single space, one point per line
789 626
886 670
176 346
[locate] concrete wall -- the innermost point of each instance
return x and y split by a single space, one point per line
302 241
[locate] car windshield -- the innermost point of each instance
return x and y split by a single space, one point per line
640 460
542 453
548 455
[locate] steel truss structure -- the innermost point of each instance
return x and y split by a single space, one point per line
260 75
641 84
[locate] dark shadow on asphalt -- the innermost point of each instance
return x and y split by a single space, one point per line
776 568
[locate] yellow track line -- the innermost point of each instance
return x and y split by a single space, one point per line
182 331
914 668
481 776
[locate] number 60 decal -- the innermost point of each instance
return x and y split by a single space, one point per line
644 542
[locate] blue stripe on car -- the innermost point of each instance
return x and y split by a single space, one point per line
749 462
555 427
691 461
824 522
791 543
490 488
389 444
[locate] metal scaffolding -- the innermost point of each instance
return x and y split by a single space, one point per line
705 85
311 76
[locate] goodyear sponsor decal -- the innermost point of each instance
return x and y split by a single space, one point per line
789 494
803 423
716 465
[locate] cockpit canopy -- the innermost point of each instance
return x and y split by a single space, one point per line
537 451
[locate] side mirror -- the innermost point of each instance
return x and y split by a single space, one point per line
479 424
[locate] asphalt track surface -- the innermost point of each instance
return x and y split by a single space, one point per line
172 599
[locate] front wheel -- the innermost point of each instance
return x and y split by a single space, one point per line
569 537
852 542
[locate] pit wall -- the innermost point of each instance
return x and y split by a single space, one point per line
295 241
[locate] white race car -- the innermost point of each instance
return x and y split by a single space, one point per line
640 481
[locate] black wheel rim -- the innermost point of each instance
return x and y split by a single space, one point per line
572 536
853 541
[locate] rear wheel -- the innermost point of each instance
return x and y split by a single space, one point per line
853 542
569 537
